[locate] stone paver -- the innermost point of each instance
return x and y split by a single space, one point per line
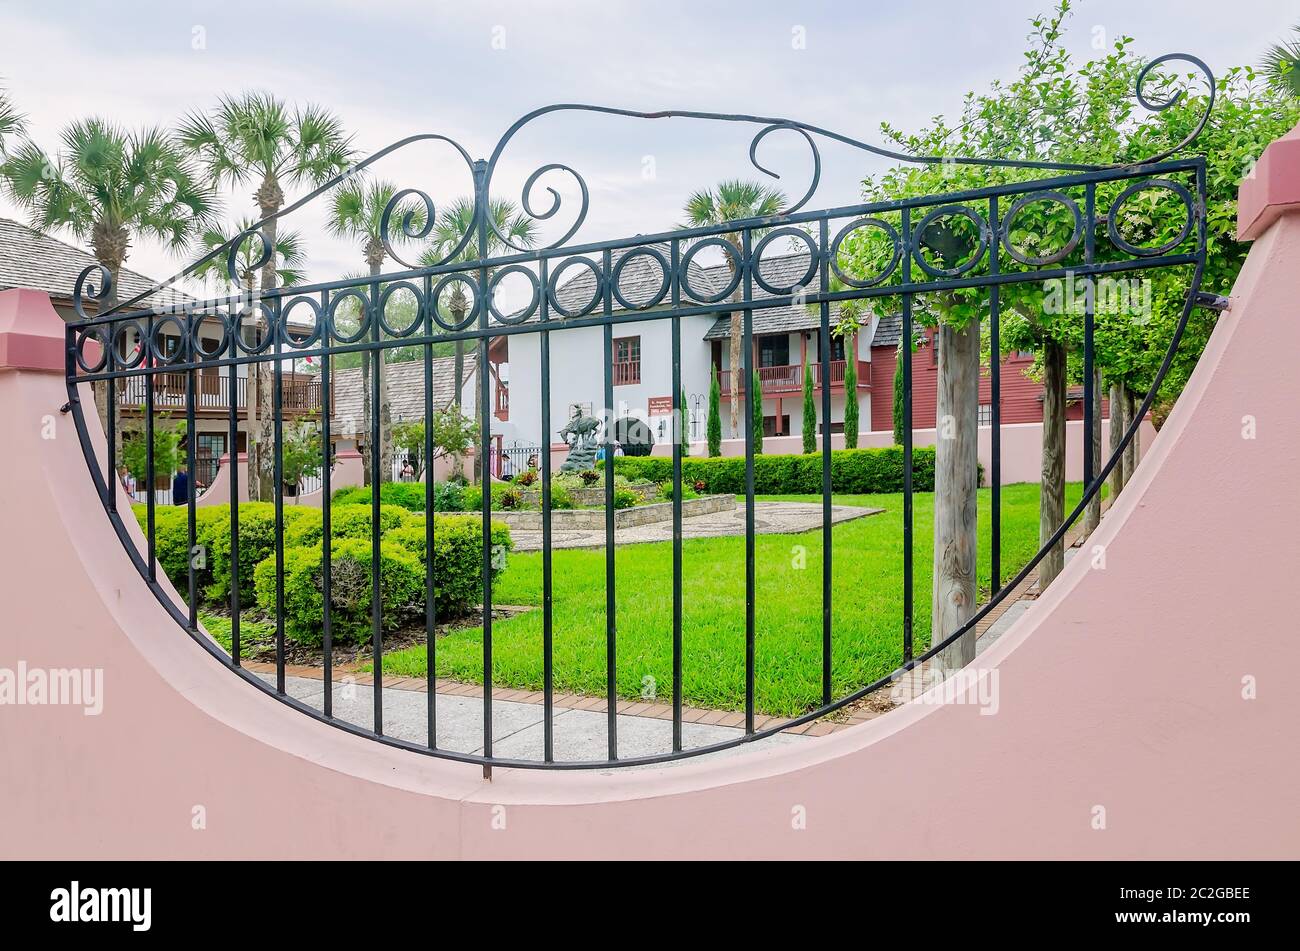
770 518
517 727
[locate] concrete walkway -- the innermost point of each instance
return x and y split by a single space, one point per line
770 518
517 727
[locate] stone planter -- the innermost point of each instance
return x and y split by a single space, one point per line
594 519
595 495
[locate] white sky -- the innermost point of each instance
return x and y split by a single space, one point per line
392 68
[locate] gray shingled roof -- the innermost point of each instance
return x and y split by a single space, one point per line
37 261
642 276
779 271
639 281
888 331
405 389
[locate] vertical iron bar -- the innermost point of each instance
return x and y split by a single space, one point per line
611 621
277 473
678 409
376 480
482 210
825 334
111 436
232 453
326 533
747 346
191 527
548 670
146 346
905 354
430 589
995 408
1089 304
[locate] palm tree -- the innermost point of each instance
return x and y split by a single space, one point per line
12 122
1282 64
732 201
108 187
257 137
357 211
450 227
289 257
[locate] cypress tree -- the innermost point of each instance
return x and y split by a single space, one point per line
850 395
756 417
809 410
714 433
898 392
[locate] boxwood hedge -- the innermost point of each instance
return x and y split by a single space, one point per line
853 471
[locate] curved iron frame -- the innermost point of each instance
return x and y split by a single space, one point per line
416 212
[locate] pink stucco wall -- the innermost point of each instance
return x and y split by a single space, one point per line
1154 689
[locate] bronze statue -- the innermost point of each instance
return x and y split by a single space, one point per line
580 436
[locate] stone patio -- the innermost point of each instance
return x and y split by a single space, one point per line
770 518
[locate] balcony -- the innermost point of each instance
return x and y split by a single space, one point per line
300 393
789 378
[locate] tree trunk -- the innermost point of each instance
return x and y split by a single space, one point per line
385 408
367 477
1117 426
1051 502
459 303
1131 452
956 479
100 390
1092 517
261 392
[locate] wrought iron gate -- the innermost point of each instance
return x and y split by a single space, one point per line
1091 197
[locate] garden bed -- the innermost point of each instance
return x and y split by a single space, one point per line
594 519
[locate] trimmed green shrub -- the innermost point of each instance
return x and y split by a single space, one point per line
172 541
346 521
448 497
407 495
853 471
666 491
401 589
212 532
457 558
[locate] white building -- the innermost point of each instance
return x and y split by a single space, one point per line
641 358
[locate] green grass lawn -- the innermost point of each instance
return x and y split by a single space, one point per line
867 609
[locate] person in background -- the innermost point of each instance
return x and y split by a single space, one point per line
128 480
408 471
532 461
181 487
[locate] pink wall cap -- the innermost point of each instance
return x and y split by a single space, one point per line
347 454
32 334
1272 189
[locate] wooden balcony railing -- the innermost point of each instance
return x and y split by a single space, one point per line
789 378
502 410
627 372
300 395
